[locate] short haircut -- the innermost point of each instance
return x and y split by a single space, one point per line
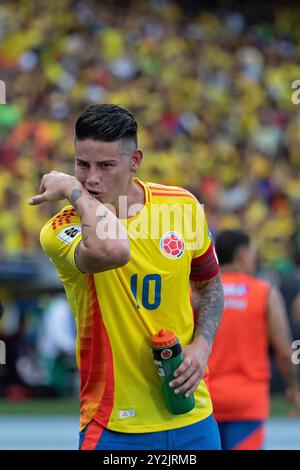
228 242
107 123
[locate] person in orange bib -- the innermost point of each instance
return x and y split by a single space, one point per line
239 372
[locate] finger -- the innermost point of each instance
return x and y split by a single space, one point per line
193 388
183 377
183 367
36 200
190 385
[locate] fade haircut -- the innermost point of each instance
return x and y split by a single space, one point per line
227 244
107 123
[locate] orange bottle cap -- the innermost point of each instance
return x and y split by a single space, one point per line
163 338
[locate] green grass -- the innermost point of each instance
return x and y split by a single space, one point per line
70 406
61 406
279 407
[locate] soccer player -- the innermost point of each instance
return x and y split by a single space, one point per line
121 296
239 364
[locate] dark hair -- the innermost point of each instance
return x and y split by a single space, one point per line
228 242
106 122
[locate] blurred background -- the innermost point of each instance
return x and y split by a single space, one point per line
210 83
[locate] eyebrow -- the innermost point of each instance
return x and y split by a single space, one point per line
79 159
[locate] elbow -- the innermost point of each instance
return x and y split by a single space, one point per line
117 255
284 355
108 256
121 254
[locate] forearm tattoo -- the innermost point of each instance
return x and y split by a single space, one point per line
76 194
209 305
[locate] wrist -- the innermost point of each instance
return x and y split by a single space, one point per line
201 342
71 185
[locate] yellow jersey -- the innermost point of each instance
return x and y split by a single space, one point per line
117 311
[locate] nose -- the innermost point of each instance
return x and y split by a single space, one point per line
94 177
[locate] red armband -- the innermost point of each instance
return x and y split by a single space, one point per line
205 266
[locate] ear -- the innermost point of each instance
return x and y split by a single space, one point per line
241 254
136 160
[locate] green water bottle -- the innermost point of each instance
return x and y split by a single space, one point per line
167 355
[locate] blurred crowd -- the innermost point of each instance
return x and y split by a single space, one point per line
212 92
39 337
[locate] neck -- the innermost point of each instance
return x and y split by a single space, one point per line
134 203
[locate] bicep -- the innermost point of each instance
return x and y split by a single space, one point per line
84 261
110 257
198 288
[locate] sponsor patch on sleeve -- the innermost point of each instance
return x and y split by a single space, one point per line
69 234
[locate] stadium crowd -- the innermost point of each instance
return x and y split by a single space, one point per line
212 91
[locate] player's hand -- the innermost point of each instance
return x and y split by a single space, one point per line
192 368
54 187
292 395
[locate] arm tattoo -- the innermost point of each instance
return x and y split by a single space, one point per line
209 307
84 236
101 217
76 194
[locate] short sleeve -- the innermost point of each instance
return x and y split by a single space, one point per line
59 238
204 264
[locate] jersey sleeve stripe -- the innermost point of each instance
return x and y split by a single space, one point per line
173 194
205 266
92 436
205 256
161 187
199 269
96 364
205 276
203 263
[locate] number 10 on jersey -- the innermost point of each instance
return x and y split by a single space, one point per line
148 289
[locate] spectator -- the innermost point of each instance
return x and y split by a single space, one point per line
56 346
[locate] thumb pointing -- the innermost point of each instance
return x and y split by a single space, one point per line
35 200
